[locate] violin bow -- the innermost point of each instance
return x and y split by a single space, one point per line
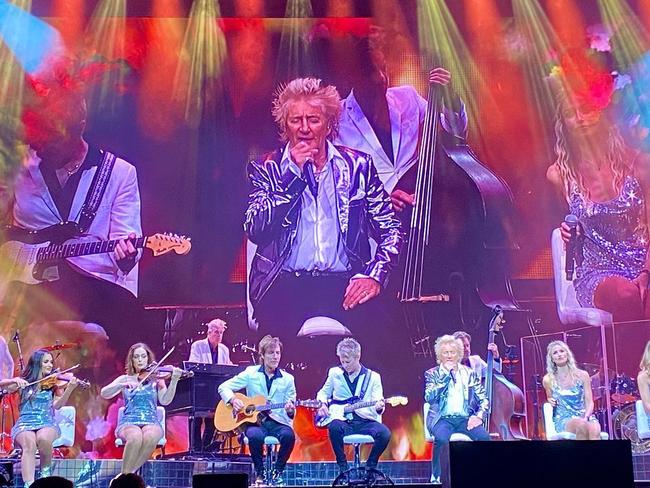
155 368
53 373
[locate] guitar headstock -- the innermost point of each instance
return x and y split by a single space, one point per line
163 243
394 401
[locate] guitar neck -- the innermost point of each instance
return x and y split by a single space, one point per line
61 251
271 406
355 406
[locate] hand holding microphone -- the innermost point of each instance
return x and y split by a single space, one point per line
569 231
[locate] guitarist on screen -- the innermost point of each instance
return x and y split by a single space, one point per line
277 386
55 185
348 383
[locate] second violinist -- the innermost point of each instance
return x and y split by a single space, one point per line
139 427
36 427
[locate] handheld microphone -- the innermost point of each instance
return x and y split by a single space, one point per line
308 171
571 246
453 375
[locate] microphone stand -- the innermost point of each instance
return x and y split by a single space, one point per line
5 404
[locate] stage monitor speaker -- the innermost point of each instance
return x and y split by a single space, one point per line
596 464
212 480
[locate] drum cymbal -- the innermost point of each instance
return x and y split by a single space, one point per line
59 347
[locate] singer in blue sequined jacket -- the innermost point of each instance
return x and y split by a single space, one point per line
363 210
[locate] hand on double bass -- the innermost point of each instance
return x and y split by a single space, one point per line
494 348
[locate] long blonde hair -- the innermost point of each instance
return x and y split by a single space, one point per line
644 365
566 159
551 367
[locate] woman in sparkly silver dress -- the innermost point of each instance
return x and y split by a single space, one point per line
139 427
36 428
568 390
606 187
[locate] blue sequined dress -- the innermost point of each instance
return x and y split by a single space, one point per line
570 405
615 238
36 412
140 406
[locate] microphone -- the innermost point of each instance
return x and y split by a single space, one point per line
453 375
15 338
571 246
308 171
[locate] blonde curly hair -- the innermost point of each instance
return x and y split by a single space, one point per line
315 93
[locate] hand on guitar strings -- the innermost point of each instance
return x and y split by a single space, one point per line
380 406
290 408
125 253
237 405
359 291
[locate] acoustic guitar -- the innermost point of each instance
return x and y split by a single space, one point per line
226 420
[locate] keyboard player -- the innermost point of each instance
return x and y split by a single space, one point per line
210 350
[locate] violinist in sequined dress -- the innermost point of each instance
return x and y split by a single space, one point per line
139 426
568 390
36 428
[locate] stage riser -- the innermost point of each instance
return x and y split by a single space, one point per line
178 474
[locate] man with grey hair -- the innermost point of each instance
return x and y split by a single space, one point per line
456 397
210 350
348 383
474 361
311 211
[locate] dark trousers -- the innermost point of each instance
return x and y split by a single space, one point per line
256 434
339 429
442 431
201 443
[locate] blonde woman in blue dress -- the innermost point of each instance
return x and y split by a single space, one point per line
643 378
139 427
36 428
568 390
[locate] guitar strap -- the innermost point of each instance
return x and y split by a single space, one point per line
366 382
96 191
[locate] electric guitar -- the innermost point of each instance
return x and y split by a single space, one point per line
26 255
225 419
343 411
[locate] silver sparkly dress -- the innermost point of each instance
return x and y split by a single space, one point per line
615 238
570 405
140 406
36 412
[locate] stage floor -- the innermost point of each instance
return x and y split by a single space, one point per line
178 473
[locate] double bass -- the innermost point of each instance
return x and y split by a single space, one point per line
457 260
456 265
505 415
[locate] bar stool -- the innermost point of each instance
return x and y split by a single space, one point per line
271 443
357 440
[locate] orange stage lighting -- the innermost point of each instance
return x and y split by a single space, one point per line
567 21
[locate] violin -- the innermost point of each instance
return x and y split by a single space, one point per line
153 371
60 379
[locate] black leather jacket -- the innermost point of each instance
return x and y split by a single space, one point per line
363 208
